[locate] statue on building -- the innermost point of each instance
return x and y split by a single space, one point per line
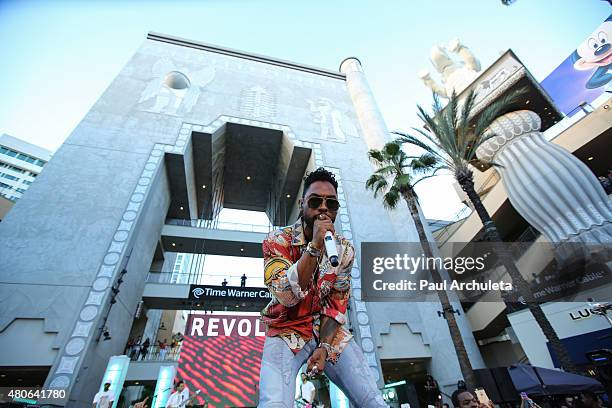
333 124
456 75
174 92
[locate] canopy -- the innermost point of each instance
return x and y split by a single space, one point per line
536 381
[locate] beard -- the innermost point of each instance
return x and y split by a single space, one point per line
309 221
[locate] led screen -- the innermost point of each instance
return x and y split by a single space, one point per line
221 356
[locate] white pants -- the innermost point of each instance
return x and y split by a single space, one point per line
279 368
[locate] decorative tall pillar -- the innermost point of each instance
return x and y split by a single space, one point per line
553 190
373 126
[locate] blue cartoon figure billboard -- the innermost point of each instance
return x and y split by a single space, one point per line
585 74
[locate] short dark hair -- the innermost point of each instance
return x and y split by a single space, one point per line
179 382
455 396
320 174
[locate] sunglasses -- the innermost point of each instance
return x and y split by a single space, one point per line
331 203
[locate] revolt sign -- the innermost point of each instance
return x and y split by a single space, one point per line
221 355
213 326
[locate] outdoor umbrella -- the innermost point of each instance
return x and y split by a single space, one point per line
537 381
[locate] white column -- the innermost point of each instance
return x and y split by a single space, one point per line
553 190
373 126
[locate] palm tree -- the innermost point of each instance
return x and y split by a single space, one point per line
453 138
394 176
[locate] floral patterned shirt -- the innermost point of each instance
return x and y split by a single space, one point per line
294 314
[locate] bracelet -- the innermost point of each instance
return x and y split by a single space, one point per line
313 251
328 348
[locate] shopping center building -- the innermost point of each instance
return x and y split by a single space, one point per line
185 130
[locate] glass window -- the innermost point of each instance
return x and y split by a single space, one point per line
8 176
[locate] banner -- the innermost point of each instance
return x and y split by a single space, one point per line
585 74
221 356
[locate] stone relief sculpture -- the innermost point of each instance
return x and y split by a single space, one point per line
456 75
334 125
258 102
174 92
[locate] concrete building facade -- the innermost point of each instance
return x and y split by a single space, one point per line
184 130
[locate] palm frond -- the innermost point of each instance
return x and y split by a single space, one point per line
386 171
496 109
426 162
376 183
391 198
376 156
391 149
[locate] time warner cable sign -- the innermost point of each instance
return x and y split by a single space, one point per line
400 271
199 292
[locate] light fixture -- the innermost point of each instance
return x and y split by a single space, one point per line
181 208
248 178
173 244
136 383
545 108
527 102
590 158
241 249
2 375
288 195
19 379
203 185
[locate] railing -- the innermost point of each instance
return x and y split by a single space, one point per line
517 248
443 234
174 277
154 353
201 278
221 225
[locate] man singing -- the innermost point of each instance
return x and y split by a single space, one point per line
309 298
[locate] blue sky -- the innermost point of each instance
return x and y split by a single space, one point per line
59 56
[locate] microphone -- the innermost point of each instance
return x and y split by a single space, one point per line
330 248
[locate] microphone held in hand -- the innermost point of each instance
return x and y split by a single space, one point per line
330 248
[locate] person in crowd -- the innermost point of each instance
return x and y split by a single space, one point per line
224 283
432 391
606 183
144 349
243 279
134 354
142 404
307 391
527 402
163 349
180 397
128 346
105 398
590 400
